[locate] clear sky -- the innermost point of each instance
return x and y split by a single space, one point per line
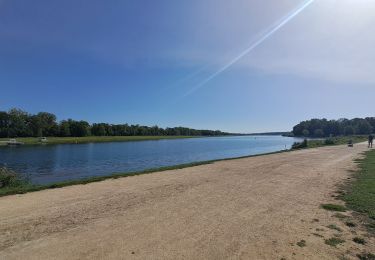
148 62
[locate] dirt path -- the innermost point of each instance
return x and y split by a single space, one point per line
253 208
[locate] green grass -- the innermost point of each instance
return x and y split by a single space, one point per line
334 241
335 141
92 139
366 256
340 216
359 240
334 207
10 179
301 243
340 140
361 192
334 227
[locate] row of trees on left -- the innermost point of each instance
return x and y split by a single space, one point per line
18 123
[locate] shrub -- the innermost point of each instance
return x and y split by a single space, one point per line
9 178
334 241
301 243
329 141
298 145
333 226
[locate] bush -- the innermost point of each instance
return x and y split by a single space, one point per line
298 145
329 141
9 178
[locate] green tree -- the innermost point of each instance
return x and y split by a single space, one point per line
305 132
363 127
19 122
371 121
348 130
79 128
319 133
4 122
64 128
99 130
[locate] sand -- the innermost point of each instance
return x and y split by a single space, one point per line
251 208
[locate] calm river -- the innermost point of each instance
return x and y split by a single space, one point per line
43 164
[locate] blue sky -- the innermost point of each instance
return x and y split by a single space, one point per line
138 61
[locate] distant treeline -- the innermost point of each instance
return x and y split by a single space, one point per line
326 128
18 123
270 133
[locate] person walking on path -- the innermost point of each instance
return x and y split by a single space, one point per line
370 139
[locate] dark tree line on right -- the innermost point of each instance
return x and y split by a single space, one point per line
326 128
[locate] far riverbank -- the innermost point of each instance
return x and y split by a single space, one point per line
91 139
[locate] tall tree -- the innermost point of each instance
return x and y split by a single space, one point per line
19 123
4 123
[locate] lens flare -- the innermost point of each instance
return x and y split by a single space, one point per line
268 33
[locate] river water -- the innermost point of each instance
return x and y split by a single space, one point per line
43 164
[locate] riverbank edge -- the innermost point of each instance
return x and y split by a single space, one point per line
31 188
358 191
356 209
93 139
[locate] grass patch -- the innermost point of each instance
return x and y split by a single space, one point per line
334 227
334 241
10 179
361 192
359 240
335 141
371 225
301 243
329 141
93 139
334 207
340 216
366 256
350 224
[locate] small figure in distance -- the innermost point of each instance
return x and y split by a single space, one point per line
370 140
350 143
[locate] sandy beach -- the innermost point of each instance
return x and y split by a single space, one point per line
251 208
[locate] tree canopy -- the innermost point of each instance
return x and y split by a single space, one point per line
19 123
325 128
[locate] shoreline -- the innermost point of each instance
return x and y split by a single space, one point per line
58 185
34 187
260 207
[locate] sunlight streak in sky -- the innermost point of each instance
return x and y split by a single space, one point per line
269 33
